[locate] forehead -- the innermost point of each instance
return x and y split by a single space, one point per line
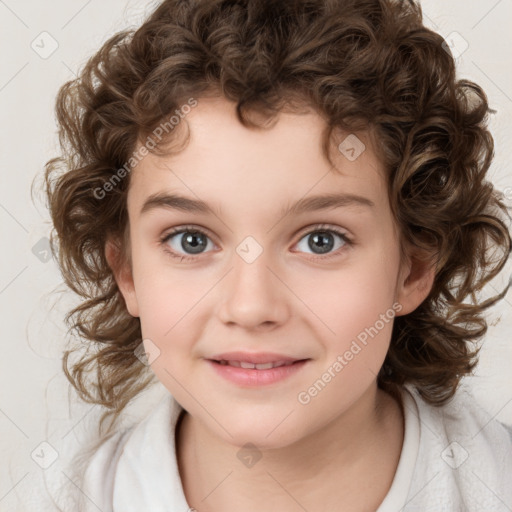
223 160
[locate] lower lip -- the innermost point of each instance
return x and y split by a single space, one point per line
251 377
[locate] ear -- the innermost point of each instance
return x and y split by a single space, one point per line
123 275
415 281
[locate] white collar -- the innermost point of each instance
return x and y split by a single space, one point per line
150 450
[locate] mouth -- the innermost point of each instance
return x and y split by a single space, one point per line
257 366
250 370
255 360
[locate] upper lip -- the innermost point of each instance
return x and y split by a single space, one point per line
254 357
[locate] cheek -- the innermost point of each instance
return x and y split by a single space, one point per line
351 299
163 295
170 303
166 310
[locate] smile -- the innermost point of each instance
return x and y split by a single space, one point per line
257 366
254 375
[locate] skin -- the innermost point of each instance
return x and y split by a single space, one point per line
344 445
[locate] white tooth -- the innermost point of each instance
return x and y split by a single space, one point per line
243 364
264 366
234 363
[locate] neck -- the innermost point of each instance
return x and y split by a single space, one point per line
351 460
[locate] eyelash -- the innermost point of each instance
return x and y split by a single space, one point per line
320 227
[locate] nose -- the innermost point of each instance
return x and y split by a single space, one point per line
254 295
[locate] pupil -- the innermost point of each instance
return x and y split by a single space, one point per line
194 245
323 240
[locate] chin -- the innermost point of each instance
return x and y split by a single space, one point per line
265 435
258 441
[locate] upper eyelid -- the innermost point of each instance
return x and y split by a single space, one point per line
184 229
322 226
305 230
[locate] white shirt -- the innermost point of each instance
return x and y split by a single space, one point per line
454 458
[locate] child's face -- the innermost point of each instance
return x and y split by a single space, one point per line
298 297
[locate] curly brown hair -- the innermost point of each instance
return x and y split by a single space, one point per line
363 65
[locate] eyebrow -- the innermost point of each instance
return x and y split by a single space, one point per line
306 204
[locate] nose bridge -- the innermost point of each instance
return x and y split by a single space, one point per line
252 293
251 267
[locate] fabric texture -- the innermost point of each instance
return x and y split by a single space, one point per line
455 458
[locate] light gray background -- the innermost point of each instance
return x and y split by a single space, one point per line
34 404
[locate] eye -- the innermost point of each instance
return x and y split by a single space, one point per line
191 240
186 241
322 240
